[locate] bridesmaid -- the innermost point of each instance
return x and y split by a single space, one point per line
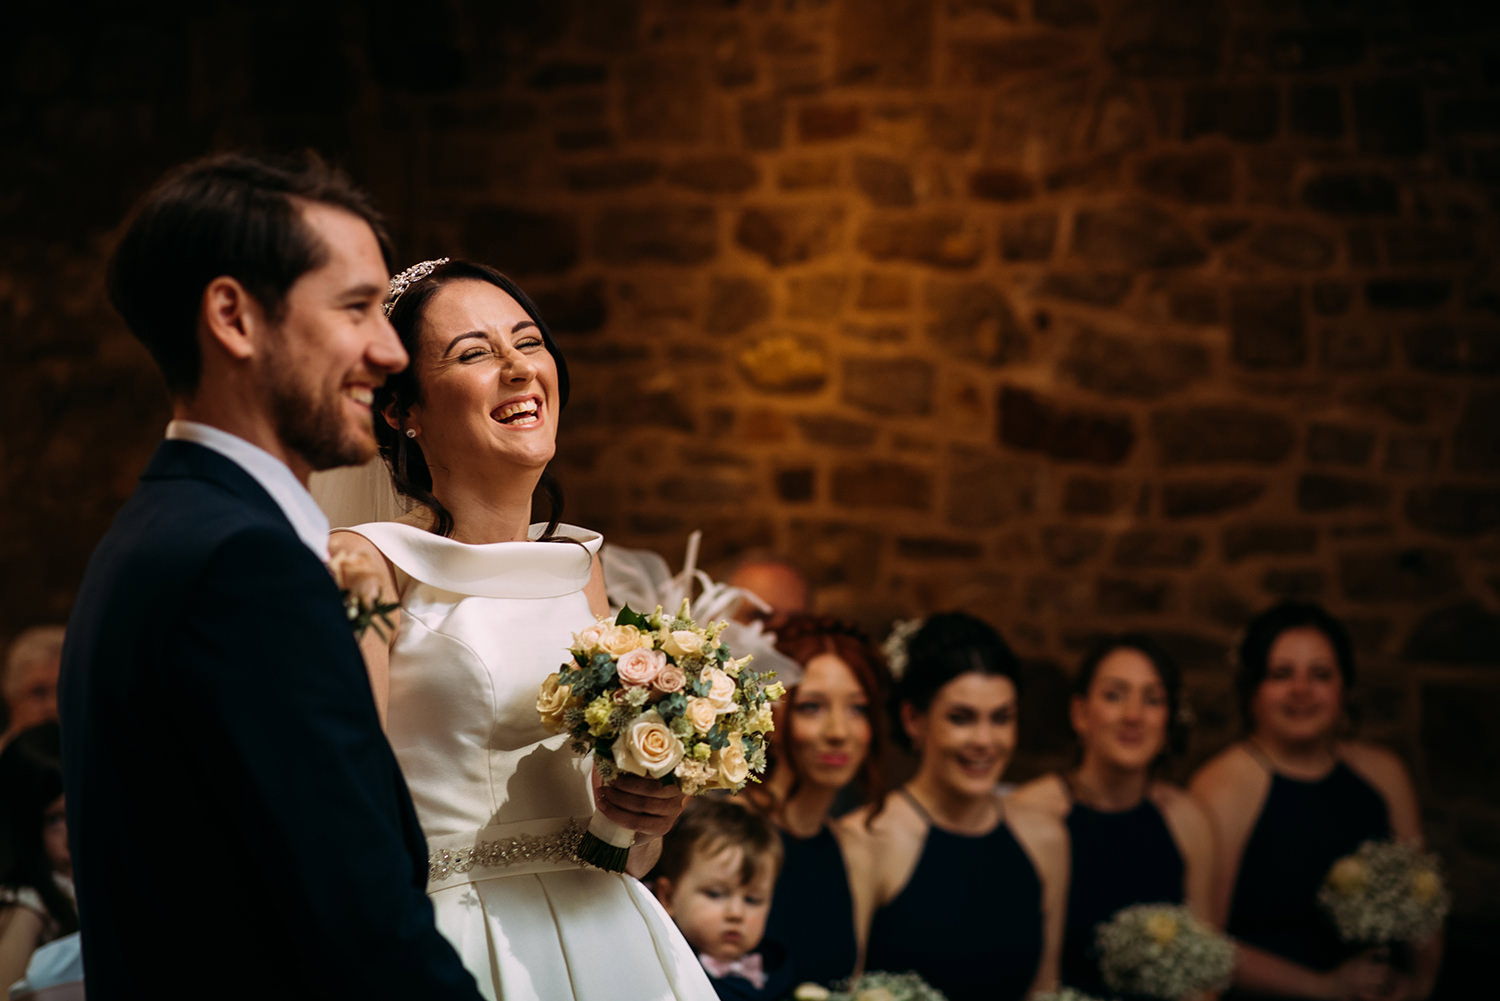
830 731
1134 838
1291 799
950 880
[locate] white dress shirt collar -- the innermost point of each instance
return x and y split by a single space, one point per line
270 472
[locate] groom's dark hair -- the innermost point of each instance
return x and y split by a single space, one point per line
228 215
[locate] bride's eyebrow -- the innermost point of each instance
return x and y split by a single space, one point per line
481 335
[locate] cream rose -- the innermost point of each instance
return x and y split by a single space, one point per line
639 667
553 701
682 643
619 640
732 766
588 639
701 713
669 679
647 747
720 690
355 572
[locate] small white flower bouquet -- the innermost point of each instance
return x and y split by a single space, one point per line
1064 994
1162 951
873 987
658 695
1386 892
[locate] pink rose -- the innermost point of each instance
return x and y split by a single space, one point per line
721 689
639 667
669 679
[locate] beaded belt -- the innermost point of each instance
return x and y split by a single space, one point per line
505 850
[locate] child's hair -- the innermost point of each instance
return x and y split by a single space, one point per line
710 824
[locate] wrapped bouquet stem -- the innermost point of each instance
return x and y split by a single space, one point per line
659 696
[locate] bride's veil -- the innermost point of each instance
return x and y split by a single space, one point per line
353 495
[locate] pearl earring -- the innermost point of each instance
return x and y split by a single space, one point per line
411 432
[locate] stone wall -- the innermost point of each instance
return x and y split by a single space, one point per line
1077 314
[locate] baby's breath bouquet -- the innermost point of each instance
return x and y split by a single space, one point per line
1386 892
658 695
1064 994
1162 951
873 987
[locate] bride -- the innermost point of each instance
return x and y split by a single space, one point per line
488 604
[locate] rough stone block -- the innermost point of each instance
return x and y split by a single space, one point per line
889 386
797 485
1066 13
884 181
1399 575
1246 113
924 548
816 297
790 234
1266 328
807 172
827 122
1465 633
951 127
1476 440
735 302
984 490
577 308
1029 237
1195 304
565 73
1389 118
889 46
1092 289
785 363
718 173
1157 548
1450 350
762 122
1423 245
884 485
974 320
1131 596
1173 38
1001 184
662 97
702 489
669 234
1352 193
876 333
1331 298
1196 178
1210 434
1133 368
522 242
1068 546
881 291
1458 730
1364 250
1337 445
610 175
1407 293
1302 584
835 553
1362 348
1455 512
1293 247
1135 235
1196 498
1033 423
1245 539
1316 111
985 62
1412 453
1318 493
1094 495
942 239
1311 50
836 432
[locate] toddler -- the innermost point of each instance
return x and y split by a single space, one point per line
717 869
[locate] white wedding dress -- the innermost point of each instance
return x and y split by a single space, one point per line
503 802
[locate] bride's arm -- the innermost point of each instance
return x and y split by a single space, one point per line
594 589
375 645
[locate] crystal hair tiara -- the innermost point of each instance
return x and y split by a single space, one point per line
408 278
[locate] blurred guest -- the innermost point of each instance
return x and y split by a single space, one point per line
29 684
777 583
36 872
1134 839
715 878
951 881
1290 800
830 731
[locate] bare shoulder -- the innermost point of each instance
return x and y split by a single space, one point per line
1226 773
1047 794
1378 765
1183 813
1040 832
867 827
354 544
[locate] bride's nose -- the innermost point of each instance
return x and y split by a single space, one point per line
518 367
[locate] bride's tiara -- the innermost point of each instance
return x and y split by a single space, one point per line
408 278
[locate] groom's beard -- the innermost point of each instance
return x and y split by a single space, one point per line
314 426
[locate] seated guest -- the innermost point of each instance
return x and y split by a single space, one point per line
1134 839
36 872
29 682
830 731
715 877
1289 801
950 880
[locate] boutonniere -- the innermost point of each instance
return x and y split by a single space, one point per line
359 587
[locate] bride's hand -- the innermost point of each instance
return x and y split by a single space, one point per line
644 805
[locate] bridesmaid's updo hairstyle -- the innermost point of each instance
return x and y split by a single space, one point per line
1254 655
1166 672
403 455
948 646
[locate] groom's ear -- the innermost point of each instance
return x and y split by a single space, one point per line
392 414
232 316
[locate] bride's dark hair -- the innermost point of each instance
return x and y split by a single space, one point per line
403 455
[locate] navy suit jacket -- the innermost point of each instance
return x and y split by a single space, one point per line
239 825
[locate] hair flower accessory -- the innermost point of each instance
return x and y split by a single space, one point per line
410 277
894 647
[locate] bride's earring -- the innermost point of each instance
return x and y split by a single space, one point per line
411 432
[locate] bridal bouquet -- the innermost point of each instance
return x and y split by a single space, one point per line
873 987
1162 951
662 696
1387 891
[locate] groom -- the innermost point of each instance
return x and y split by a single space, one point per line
239 827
